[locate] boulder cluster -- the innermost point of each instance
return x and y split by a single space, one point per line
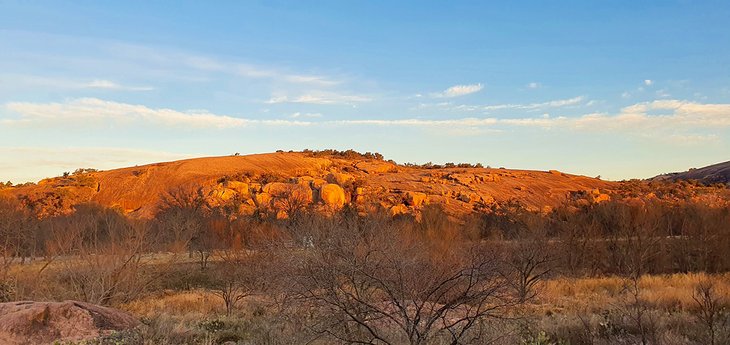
251 195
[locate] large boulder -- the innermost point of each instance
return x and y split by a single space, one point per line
294 196
317 183
398 209
416 199
339 178
377 167
51 322
222 194
238 186
332 195
464 179
360 194
468 197
302 192
601 197
262 200
488 178
276 188
247 208
304 180
289 191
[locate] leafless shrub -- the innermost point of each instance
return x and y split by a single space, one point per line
236 275
180 218
389 284
99 255
529 262
711 311
636 310
10 235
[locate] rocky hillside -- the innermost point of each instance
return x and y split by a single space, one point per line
717 173
285 181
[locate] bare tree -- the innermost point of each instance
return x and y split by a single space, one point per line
712 311
10 235
637 309
529 262
386 284
294 199
236 275
180 217
580 246
100 254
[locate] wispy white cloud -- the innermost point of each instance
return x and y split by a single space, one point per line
533 85
181 59
305 115
312 79
680 112
321 98
665 118
62 83
86 110
472 122
510 106
663 93
536 106
110 85
459 90
648 82
211 64
258 72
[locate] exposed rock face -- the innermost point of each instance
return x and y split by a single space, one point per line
47 322
304 180
487 199
340 178
292 193
238 186
469 197
318 183
464 179
398 209
375 167
222 194
263 199
416 199
332 195
276 188
601 198
302 192
246 183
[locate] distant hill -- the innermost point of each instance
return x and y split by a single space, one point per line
316 179
717 173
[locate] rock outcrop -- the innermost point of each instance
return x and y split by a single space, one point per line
416 199
287 181
48 322
340 178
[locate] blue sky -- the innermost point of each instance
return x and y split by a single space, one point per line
620 89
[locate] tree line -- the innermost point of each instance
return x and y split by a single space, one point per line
367 278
